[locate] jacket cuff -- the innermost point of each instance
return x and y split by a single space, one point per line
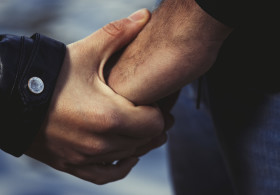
29 68
229 13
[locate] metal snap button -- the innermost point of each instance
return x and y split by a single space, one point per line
36 85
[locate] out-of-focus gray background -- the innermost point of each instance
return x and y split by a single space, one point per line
69 21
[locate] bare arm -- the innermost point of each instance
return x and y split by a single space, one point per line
179 44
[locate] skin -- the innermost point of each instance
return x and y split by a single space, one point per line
89 126
177 46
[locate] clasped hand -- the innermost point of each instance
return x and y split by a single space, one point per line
89 126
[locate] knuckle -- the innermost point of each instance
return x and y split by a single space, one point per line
106 120
94 147
151 123
158 123
114 28
155 126
112 120
78 160
115 121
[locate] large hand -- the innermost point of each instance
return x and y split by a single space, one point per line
179 44
88 125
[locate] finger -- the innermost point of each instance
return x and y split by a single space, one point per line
100 174
153 144
117 34
169 121
141 122
112 157
111 150
166 104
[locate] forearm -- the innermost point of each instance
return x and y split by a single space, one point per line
178 45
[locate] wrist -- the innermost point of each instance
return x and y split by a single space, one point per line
183 20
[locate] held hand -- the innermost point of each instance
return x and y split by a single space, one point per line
178 45
89 126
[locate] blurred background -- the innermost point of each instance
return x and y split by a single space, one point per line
69 21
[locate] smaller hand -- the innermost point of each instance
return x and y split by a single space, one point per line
89 126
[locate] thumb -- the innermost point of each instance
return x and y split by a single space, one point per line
117 34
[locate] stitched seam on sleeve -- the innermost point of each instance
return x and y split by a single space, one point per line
19 64
28 67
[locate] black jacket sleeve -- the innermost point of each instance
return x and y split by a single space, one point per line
229 12
29 68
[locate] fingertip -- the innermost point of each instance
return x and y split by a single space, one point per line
125 166
134 161
169 121
142 15
130 162
153 144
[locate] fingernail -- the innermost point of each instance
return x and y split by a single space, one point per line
138 15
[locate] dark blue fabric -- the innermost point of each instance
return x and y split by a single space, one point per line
248 127
197 164
230 145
